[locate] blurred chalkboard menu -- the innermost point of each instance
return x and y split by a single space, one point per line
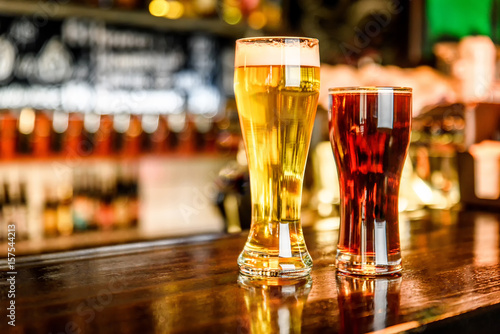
84 65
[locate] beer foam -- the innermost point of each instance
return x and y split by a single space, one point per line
283 51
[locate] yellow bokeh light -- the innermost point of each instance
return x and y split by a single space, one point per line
175 10
159 7
257 20
232 15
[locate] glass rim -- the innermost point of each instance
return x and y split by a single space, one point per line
360 89
276 39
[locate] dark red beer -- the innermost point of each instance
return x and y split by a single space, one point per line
370 133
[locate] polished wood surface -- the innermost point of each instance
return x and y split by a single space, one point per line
450 283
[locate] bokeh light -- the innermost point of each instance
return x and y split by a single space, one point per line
257 20
159 7
175 10
232 15
273 15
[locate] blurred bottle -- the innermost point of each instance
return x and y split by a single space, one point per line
82 210
41 135
156 133
121 124
94 198
182 128
91 124
50 212
132 191
31 207
133 137
21 211
60 123
8 135
105 215
171 139
121 203
103 136
64 211
205 135
8 207
229 133
73 136
26 125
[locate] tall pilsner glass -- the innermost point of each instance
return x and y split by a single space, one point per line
276 85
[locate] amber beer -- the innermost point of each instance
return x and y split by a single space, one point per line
370 133
276 86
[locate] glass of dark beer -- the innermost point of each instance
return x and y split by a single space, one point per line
370 134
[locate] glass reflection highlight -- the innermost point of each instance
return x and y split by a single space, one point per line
275 305
368 303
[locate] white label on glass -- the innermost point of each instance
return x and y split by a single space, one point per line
285 246
287 266
385 109
381 243
292 62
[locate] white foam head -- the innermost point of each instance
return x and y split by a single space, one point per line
289 51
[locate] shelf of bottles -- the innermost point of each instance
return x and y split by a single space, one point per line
62 199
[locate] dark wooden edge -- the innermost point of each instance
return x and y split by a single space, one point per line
484 320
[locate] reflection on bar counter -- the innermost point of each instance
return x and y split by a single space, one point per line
274 305
377 299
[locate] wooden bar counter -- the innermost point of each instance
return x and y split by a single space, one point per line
450 283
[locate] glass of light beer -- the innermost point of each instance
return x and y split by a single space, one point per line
276 84
370 134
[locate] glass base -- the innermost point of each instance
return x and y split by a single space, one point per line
258 264
355 264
